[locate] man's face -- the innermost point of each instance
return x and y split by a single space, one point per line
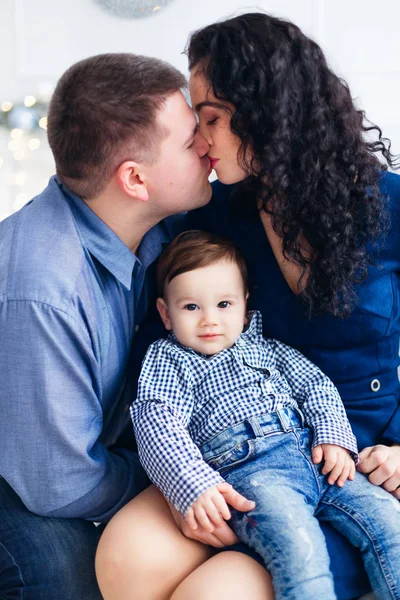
178 179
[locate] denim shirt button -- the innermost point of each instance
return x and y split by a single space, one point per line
375 385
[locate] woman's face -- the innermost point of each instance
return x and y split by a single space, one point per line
214 125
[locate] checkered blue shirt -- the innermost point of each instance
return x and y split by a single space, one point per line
185 398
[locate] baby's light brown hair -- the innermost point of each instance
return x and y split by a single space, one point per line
195 249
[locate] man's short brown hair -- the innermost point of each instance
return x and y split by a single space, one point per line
195 249
103 112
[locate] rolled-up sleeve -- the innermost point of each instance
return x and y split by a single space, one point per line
51 417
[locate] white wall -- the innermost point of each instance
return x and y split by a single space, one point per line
39 39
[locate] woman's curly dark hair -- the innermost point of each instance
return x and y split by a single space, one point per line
312 166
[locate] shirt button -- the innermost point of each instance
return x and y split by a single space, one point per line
375 385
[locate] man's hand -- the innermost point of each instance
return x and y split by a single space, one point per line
211 507
338 463
382 465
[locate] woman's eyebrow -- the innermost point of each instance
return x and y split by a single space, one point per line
201 105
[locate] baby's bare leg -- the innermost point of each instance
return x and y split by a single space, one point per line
142 555
227 575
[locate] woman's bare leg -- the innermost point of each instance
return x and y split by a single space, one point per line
227 575
142 555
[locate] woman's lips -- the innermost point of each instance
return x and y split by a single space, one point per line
213 161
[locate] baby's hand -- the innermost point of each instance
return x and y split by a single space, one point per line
211 507
338 463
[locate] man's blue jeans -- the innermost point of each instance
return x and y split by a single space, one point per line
43 558
268 460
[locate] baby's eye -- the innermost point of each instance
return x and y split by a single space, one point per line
212 122
191 306
224 304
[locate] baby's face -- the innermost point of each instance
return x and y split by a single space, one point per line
206 308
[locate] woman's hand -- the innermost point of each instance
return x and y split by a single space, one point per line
382 465
337 462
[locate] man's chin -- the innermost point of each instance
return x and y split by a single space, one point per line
207 197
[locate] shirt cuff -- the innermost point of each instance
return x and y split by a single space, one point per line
191 484
337 433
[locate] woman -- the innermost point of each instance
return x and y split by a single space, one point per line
304 197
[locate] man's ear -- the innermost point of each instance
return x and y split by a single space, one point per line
164 313
131 180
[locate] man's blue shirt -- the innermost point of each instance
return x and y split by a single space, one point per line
71 296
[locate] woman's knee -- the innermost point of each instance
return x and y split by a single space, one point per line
142 554
227 575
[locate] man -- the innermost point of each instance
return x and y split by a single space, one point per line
73 289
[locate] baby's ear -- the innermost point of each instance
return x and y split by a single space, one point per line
164 313
246 320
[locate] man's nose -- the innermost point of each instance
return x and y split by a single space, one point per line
201 144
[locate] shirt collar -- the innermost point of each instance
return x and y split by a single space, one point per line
254 326
106 246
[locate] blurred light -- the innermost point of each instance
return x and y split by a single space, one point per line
34 144
19 155
43 122
20 201
20 179
16 134
6 106
23 117
29 100
1 161
14 145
